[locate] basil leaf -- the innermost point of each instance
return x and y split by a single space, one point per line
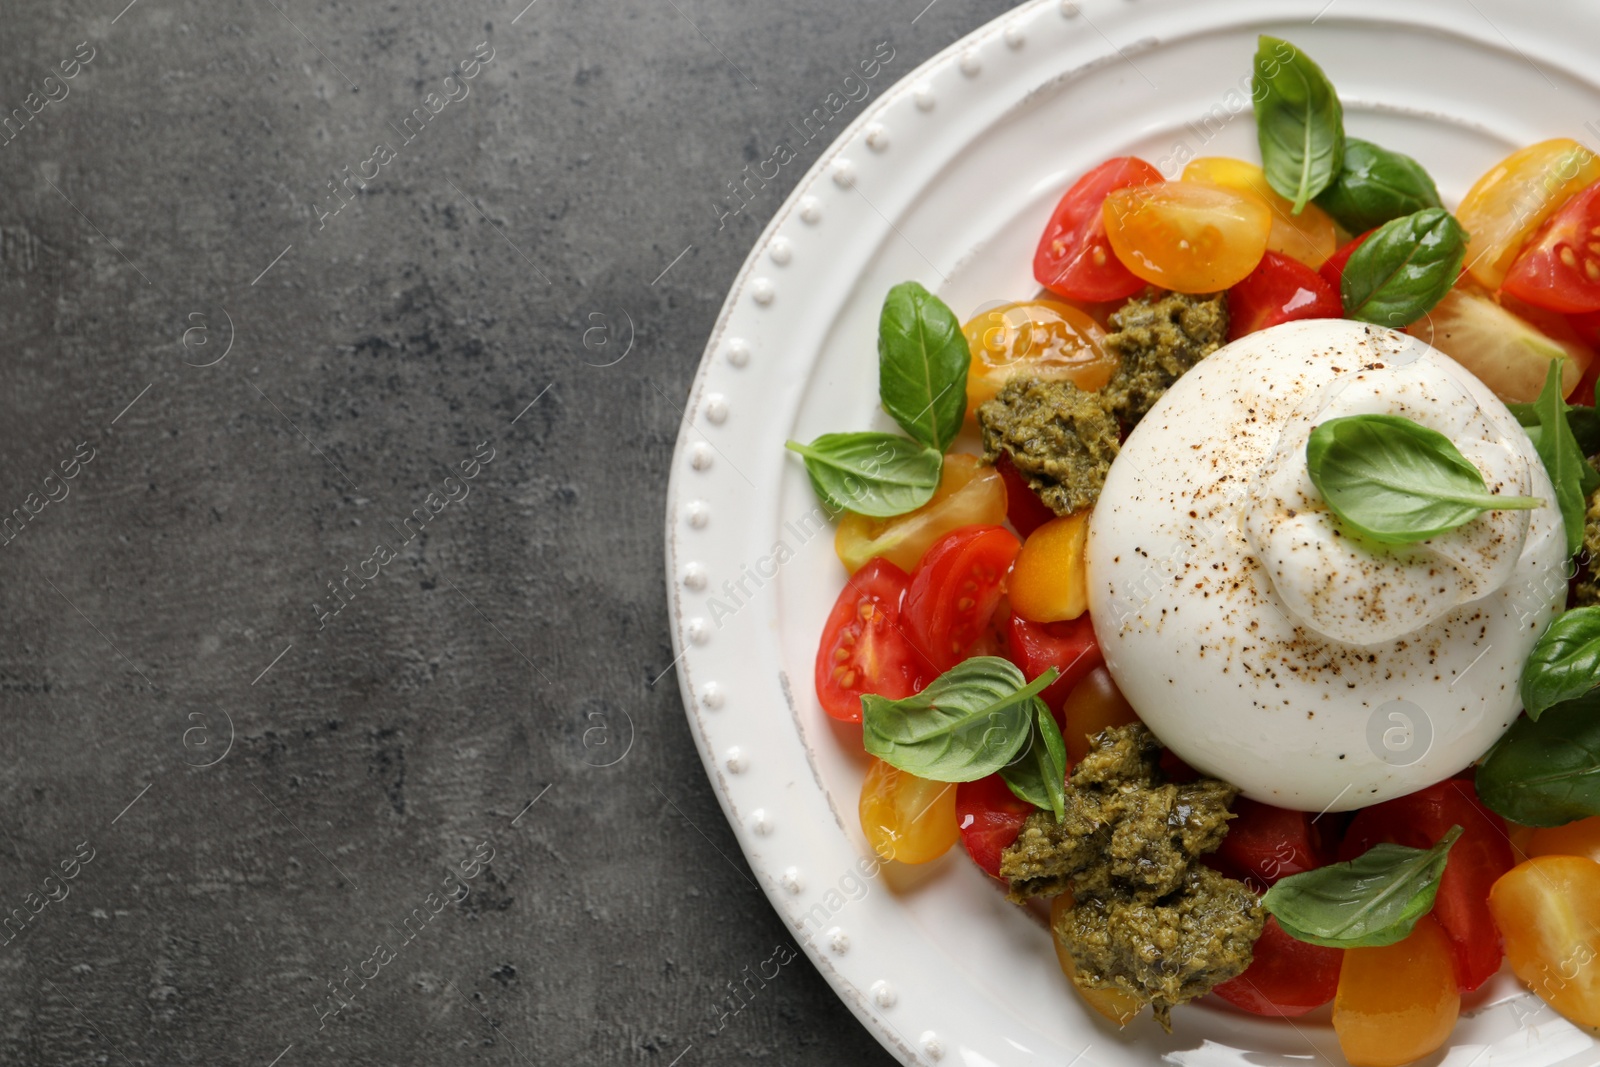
1038 774
1563 462
1299 121
1397 482
876 474
1546 772
922 365
1564 664
1372 900
1376 185
1584 422
968 723
1404 269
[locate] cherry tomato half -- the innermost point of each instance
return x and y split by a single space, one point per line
989 816
1186 236
906 818
1044 339
1559 269
1069 647
1549 910
1396 1003
1074 259
969 493
1285 976
1265 843
1308 237
1280 290
955 590
1094 704
1023 506
1333 269
1481 856
864 649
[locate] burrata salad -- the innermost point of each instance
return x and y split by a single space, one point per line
1236 594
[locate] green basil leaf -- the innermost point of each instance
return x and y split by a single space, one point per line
1376 185
1583 421
876 474
1299 121
1372 900
922 365
1038 774
1563 462
1564 663
1546 772
968 723
1397 482
1404 269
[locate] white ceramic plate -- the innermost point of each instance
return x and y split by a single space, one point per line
947 178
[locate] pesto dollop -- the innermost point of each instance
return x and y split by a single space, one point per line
1059 437
1148 918
1159 336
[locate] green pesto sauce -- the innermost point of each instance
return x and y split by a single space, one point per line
1148 918
1587 590
1060 438
1159 336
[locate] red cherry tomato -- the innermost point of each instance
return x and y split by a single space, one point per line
1285 977
1481 856
1559 268
864 648
1023 506
990 817
1266 843
1279 290
1333 270
1074 259
955 590
1070 647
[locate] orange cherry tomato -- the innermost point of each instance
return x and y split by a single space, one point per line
1514 198
1047 580
1397 1003
1093 705
1115 1004
1041 338
1581 838
1548 911
1187 236
969 494
1309 237
906 818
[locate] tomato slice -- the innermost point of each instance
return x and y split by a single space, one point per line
1481 856
1559 269
969 493
1280 290
1396 1003
906 818
864 649
1095 704
1070 647
1045 339
955 590
1333 269
1023 506
1549 910
1286 977
1074 259
989 816
1265 843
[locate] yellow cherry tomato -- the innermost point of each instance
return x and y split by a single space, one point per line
1581 838
906 818
1187 236
1094 704
1310 236
1045 339
1548 912
1115 1004
1047 580
1397 1003
1515 196
970 493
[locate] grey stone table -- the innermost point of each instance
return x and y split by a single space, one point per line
344 348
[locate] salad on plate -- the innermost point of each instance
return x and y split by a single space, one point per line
1236 597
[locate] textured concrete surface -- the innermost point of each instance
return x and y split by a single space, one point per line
244 816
